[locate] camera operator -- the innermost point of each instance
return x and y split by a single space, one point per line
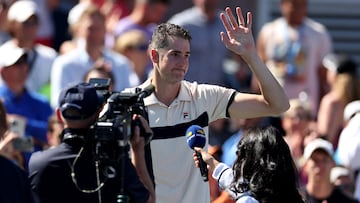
71 172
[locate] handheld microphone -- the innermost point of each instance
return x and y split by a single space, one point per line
195 137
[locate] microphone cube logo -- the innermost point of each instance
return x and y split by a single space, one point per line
195 137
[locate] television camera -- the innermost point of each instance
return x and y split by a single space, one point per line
113 130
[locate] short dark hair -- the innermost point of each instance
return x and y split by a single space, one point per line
164 31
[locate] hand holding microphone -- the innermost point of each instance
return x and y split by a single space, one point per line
195 137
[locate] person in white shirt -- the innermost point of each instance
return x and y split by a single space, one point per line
176 104
24 21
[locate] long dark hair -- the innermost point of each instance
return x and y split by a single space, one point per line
264 167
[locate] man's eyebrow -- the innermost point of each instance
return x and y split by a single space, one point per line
177 51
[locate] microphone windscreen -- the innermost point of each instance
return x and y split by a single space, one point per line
195 136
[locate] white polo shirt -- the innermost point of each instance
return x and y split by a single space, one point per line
176 177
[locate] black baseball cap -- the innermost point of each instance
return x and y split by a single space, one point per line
80 101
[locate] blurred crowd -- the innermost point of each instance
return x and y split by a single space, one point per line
47 45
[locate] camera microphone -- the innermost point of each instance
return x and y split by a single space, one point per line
146 92
195 137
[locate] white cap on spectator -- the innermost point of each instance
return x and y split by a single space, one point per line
318 143
9 55
76 12
351 109
22 10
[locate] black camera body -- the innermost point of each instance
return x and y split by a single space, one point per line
112 131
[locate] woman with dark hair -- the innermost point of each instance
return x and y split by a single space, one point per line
264 171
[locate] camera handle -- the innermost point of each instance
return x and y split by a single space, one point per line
122 198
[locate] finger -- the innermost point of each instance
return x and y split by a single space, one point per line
142 121
240 16
225 22
136 133
249 20
232 19
224 39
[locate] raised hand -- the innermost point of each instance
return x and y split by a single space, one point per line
238 37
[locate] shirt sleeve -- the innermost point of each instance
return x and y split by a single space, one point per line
224 175
217 99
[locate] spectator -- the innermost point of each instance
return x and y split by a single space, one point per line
22 105
295 123
318 157
344 82
8 149
14 186
293 47
77 35
70 168
145 15
263 160
134 45
101 70
176 103
348 151
24 23
54 129
72 67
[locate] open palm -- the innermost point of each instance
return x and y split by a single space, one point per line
238 37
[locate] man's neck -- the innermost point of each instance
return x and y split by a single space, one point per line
166 92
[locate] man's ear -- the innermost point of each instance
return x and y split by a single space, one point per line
154 55
58 115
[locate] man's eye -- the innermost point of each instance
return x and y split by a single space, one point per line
175 54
